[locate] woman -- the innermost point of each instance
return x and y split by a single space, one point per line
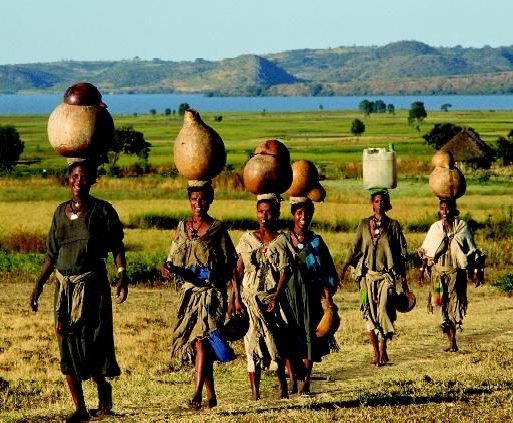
378 256
202 258
314 277
448 251
263 269
84 229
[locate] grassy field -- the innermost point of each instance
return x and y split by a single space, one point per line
421 384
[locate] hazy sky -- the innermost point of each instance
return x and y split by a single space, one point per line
53 30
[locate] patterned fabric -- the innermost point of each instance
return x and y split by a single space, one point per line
266 338
210 260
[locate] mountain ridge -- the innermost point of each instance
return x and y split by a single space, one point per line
402 68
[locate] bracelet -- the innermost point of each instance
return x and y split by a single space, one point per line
475 270
421 269
121 269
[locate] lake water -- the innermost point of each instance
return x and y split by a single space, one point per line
142 103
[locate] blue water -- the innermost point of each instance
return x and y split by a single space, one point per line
142 103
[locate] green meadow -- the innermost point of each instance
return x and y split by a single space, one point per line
421 384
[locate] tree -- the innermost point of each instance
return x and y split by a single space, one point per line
440 134
153 112
128 141
380 106
182 108
167 111
416 114
366 107
357 127
504 151
11 147
391 109
445 107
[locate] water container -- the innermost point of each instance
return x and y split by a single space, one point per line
379 168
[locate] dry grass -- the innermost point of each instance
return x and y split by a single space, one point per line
422 383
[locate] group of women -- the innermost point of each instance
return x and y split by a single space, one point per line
275 279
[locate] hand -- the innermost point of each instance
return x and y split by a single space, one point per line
58 328
122 288
341 278
238 308
272 306
421 278
475 280
165 270
33 300
405 287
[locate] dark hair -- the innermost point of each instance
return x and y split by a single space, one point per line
89 166
207 189
307 205
386 199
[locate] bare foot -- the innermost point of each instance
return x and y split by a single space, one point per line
210 403
194 403
452 348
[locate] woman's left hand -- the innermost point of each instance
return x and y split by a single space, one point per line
122 288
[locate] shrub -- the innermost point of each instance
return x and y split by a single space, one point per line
504 282
24 242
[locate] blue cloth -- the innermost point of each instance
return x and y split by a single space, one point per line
222 350
318 262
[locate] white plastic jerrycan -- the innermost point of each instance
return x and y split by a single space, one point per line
379 168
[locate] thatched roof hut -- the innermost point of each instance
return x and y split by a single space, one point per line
469 150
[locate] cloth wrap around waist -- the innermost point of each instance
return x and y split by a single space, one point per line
71 297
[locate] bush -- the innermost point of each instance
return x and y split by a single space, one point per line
504 282
24 242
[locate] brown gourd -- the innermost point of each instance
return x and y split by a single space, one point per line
304 178
81 126
317 193
199 151
264 173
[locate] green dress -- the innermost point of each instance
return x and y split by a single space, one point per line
313 271
80 247
267 337
210 259
378 261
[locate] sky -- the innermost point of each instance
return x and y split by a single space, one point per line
53 30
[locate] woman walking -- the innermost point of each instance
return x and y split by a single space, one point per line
263 269
378 255
84 229
201 258
448 252
314 278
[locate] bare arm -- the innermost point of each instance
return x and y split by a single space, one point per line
235 306
280 287
46 271
122 285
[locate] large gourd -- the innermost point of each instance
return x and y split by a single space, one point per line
81 126
199 151
304 178
446 180
269 169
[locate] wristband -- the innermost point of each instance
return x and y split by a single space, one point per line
121 269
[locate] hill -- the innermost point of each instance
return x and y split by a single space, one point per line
405 67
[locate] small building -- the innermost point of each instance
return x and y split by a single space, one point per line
469 150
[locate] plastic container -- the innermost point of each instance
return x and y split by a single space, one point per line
379 168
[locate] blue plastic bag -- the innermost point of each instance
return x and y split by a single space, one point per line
220 347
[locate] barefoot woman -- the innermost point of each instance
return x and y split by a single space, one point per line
264 267
84 229
378 255
201 258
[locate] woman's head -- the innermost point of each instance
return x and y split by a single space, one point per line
302 212
381 201
447 209
268 209
200 197
82 175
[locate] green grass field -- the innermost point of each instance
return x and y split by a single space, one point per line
422 384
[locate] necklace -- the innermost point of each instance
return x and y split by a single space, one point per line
194 231
300 244
74 210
